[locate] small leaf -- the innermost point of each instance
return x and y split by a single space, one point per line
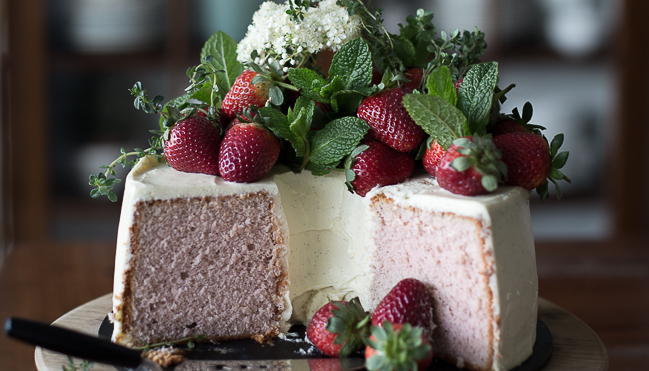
557 142
461 163
560 160
354 61
475 95
489 182
275 95
440 83
337 139
436 116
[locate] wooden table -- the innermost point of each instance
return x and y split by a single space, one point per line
576 346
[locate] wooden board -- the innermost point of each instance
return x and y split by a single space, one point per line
576 346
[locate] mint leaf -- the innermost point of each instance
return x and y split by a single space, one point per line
347 101
337 139
436 116
353 61
294 130
476 94
309 83
440 84
404 50
223 50
302 103
317 169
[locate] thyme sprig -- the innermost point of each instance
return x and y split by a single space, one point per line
84 365
105 181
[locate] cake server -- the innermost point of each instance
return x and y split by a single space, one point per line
100 350
76 344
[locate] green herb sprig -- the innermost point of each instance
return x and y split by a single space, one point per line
84 365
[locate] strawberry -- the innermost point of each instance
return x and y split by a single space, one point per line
408 302
193 146
339 328
433 154
389 121
247 153
377 165
508 126
398 347
471 166
415 75
530 162
243 94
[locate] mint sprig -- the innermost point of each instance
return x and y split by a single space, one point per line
337 139
475 96
436 116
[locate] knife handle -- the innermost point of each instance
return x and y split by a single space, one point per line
72 343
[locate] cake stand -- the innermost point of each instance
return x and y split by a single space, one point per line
576 346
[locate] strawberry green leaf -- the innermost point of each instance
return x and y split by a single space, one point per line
353 61
223 50
560 160
337 139
489 182
436 116
309 83
476 94
556 143
440 84
275 95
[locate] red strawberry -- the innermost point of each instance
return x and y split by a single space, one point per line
527 157
389 121
508 126
471 167
243 94
339 328
415 75
193 146
399 346
408 302
379 165
247 153
432 156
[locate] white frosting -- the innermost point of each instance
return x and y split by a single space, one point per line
506 223
327 257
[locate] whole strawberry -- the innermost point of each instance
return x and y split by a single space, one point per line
247 153
527 157
193 146
432 156
339 328
398 347
377 165
531 162
471 166
408 302
243 94
389 121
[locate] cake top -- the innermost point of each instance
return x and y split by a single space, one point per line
385 105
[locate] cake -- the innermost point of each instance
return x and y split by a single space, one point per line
198 255
274 188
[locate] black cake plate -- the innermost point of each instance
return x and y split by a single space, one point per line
291 354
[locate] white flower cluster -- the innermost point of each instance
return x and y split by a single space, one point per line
275 36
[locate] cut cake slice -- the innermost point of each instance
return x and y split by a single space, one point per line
476 256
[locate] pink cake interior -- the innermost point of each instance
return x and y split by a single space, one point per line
215 272
445 251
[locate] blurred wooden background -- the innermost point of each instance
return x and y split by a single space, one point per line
43 274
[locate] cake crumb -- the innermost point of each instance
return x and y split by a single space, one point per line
165 356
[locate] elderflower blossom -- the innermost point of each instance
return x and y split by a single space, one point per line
274 36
